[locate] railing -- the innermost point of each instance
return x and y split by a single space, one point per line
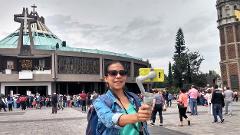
42 71
10 71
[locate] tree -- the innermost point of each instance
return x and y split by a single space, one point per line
170 75
200 79
211 77
179 66
180 43
186 63
194 60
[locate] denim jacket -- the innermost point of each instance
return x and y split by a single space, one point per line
108 117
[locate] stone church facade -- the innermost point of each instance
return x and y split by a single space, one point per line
229 29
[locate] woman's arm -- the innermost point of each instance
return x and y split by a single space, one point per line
143 114
179 98
105 114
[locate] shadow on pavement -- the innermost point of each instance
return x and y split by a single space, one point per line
157 130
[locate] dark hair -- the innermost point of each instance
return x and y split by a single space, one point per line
216 86
183 90
109 64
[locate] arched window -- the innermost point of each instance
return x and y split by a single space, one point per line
220 12
235 7
227 11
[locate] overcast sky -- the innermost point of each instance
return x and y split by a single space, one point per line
140 28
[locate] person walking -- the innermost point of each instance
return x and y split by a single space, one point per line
54 103
193 95
61 102
182 106
170 98
235 96
218 104
208 97
23 100
122 118
10 103
2 104
158 103
228 99
83 96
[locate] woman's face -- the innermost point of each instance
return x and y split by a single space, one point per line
116 81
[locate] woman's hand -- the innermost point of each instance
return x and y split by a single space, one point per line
144 113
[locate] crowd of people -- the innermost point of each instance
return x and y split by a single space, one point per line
162 100
121 112
214 98
37 101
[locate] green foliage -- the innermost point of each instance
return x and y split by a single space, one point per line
173 90
180 43
195 60
179 65
211 75
200 79
170 75
186 64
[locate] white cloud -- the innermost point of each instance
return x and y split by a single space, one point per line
141 28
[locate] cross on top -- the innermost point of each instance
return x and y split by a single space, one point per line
25 19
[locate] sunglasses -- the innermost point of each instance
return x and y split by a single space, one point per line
115 72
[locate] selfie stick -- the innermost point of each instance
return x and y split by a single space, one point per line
139 80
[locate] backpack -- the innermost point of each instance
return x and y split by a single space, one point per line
93 118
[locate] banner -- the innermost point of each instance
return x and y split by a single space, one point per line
159 74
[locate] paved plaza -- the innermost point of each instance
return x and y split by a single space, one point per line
72 121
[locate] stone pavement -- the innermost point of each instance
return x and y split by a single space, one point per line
200 124
71 121
42 122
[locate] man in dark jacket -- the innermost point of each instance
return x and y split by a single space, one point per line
218 104
2 104
54 103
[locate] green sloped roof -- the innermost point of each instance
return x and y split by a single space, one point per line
11 40
71 49
48 42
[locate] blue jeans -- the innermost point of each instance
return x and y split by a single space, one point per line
193 106
217 110
228 104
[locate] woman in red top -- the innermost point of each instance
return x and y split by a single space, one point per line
182 106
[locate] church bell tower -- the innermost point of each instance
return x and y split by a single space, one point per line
229 29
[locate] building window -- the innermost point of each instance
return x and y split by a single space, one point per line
41 64
9 64
26 64
227 11
220 13
235 7
234 82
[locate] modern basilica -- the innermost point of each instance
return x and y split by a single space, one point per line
34 60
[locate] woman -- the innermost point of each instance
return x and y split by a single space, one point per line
2 104
208 97
182 106
10 103
122 118
158 103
